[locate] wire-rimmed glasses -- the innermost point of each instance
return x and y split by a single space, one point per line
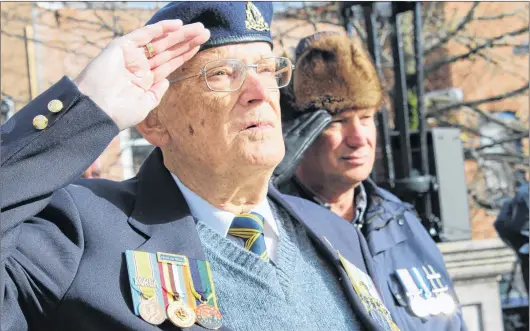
228 75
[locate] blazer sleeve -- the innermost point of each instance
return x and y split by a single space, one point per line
41 231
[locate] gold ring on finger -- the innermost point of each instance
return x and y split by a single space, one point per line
150 50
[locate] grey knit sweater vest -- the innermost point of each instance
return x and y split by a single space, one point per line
300 292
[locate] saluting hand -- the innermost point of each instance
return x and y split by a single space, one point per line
126 81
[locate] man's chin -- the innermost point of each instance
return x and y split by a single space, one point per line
266 151
263 158
355 176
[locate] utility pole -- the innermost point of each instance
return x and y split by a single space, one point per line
29 39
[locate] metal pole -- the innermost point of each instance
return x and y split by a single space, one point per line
373 47
30 61
418 50
400 92
371 29
422 127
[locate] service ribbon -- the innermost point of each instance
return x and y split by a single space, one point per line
202 281
144 277
421 281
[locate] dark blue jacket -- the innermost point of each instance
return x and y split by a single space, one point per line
63 241
512 226
397 239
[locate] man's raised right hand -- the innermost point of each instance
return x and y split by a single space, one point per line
127 85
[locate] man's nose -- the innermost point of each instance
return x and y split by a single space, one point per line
253 89
353 131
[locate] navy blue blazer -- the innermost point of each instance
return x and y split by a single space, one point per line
63 239
397 239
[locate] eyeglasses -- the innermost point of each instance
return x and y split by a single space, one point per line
228 75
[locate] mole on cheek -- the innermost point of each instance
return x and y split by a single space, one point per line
191 130
202 122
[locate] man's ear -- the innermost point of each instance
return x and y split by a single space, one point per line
153 130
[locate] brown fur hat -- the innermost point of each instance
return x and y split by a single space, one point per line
333 72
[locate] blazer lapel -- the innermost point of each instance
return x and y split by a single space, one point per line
328 238
162 214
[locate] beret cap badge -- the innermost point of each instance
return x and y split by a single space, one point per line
255 20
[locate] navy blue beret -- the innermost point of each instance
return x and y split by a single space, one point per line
229 22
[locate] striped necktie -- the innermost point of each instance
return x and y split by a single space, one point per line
250 227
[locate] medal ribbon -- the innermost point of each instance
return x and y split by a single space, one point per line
176 278
144 278
202 284
408 283
434 279
438 279
421 281
168 281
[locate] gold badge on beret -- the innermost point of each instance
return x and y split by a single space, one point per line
255 20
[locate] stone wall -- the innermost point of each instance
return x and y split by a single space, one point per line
475 267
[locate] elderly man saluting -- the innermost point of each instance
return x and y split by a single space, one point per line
198 239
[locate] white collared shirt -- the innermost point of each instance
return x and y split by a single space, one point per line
220 220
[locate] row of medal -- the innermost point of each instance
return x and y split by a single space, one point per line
426 293
175 287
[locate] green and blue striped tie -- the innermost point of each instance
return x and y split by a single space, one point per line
249 226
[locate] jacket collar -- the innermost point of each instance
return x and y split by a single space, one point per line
161 212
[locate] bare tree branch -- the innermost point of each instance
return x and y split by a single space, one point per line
475 103
513 158
62 49
489 58
503 141
502 15
429 9
282 34
468 18
310 17
515 127
465 128
489 43
505 65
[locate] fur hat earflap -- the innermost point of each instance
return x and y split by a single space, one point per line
334 72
